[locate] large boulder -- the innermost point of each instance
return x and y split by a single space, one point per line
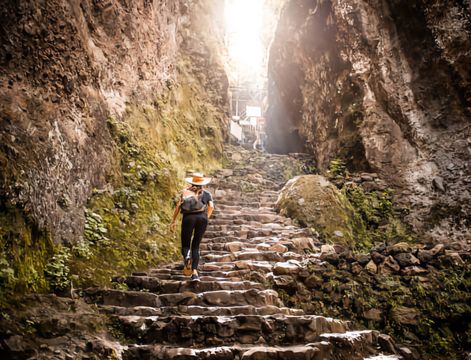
315 202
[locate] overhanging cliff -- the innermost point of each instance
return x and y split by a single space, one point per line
385 87
93 94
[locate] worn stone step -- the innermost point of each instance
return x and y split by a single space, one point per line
226 246
235 222
210 298
248 205
357 344
174 286
247 226
232 192
228 275
223 298
215 257
199 310
244 233
262 230
216 330
258 217
221 208
233 244
270 256
232 214
242 203
178 276
263 266
204 251
315 351
237 193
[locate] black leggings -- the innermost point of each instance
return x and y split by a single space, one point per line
197 223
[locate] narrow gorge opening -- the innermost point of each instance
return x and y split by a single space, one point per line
332 135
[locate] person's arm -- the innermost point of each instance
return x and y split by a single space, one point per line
210 208
173 224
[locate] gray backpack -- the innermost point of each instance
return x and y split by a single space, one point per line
192 203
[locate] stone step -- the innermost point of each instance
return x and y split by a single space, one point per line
178 276
214 252
223 298
161 286
245 226
229 209
270 256
246 233
216 330
263 204
199 310
262 266
313 351
232 192
356 343
263 218
268 230
209 298
227 275
219 246
235 196
270 244
221 208
243 203
235 220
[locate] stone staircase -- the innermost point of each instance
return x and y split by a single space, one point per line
232 313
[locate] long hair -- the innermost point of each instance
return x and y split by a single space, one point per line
196 189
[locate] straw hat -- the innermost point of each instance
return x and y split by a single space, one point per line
198 179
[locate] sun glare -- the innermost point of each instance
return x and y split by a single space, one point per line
244 20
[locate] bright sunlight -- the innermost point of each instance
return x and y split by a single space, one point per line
244 19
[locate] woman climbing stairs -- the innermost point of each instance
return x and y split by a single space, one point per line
233 313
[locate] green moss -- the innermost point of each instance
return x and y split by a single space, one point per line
155 145
374 209
126 222
315 202
442 303
337 168
24 254
57 270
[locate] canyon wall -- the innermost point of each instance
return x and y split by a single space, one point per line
68 66
89 92
384 86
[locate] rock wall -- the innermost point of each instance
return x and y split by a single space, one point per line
69 65
418 295
384 86
101 98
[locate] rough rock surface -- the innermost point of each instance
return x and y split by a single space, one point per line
232 313
425 303
66 67
316 203
386 87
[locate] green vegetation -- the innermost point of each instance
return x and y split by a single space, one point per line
441 301
375 218
126 222
380 223
343 210
24 254
337 169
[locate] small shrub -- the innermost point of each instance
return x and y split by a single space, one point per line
337 169
57 270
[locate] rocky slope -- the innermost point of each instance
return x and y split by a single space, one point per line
385 87
231 314
102 97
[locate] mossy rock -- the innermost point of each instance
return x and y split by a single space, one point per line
315 202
